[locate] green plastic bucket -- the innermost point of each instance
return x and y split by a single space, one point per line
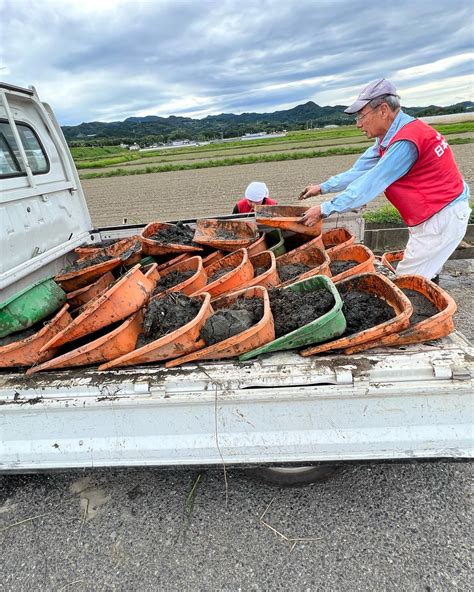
29 306
147 261
275 242
330 325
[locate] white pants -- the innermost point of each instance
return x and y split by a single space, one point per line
430 244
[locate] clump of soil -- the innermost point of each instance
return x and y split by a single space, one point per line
136 247
178 234
422 307
79 265
219 273
292 310
363 310
339 266
292 270
172 279
226 322
164 315
224 234
262 269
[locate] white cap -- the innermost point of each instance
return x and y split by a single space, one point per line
256 191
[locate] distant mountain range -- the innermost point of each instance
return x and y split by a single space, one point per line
153 128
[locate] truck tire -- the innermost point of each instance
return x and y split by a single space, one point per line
294 476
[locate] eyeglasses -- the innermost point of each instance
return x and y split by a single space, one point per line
359 118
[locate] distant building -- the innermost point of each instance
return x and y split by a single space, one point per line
134 147
263 136
330 126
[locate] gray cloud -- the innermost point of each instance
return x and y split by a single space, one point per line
112 59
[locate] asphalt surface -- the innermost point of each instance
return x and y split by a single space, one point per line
379 527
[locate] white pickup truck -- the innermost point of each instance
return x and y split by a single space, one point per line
278 410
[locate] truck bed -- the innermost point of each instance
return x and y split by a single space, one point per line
393 403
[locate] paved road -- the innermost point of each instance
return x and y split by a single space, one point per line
378 527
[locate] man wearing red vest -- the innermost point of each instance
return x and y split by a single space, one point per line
415 167
255 194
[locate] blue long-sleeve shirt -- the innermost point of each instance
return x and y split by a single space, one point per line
371 174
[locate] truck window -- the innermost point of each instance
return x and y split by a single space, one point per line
10 159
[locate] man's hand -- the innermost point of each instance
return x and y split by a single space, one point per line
310 191
312 216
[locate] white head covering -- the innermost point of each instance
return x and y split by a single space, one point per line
256 191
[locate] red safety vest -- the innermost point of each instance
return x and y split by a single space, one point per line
433 181
244 208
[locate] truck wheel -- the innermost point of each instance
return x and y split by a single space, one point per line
294 476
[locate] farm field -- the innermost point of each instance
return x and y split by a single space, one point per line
293 146
213 191
234 152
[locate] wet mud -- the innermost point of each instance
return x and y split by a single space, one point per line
172 279
363 311
293 270
218 274
135 248
339 266
227 322
262 269
224 234
422 308
178 234
167 314
80 265
292 310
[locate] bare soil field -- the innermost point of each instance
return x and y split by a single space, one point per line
213 191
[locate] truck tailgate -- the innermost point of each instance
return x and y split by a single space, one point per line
385 404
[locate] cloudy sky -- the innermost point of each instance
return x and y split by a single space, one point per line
110 59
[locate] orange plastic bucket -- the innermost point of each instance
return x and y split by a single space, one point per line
212 258
311 256
298 242
112 345
225 235
287 218
74 280
83 295
183 341
257 335
391 257
191 284
336 239
269 278
376 285
121 300
119 249
240 272
435 327
359 253
165 264
26 352
153 247
259 246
